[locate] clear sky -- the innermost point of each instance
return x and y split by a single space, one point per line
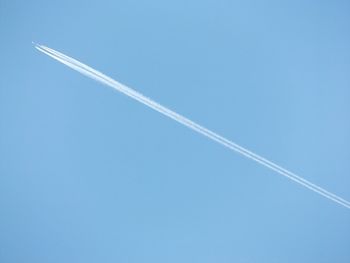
89 175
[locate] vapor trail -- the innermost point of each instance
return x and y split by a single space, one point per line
98 76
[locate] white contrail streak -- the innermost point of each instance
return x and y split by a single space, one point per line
98 76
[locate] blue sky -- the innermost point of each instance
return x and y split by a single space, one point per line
89 175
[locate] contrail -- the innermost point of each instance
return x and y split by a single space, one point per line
100 77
